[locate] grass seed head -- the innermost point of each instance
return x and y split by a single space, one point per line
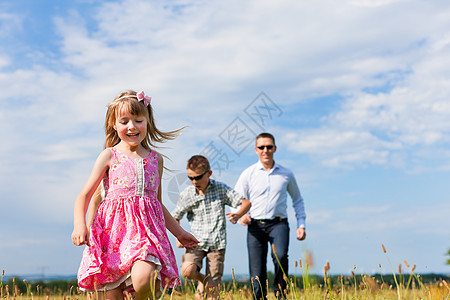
309 261
384 249
274 249
371 284
446 285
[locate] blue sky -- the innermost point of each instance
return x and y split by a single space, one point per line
358 95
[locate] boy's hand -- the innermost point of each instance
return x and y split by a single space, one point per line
187 240
80 235
233 217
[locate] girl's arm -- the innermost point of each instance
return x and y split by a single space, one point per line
184 237
80 230
95 202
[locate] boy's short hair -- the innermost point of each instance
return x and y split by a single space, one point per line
198 162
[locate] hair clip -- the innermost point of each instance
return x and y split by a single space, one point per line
141 96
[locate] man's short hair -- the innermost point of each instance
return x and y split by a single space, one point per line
198 162
266 135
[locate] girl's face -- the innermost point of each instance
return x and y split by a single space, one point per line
132 129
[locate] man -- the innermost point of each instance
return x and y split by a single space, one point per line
204 202
266 184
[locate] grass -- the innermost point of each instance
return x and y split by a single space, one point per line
368 288
409 286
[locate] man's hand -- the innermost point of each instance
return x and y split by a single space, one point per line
301 234
234 217
245 220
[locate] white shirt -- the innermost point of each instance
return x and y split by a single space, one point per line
267 191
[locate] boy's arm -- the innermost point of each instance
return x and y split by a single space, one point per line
245 207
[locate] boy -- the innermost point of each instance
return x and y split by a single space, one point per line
204 202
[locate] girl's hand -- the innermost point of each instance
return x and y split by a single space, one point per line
179 245
187 240
80 235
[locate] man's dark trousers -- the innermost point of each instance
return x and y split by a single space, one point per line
260 234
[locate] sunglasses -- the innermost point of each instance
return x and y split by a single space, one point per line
269 147
197 177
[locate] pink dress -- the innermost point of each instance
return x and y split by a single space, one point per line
129 226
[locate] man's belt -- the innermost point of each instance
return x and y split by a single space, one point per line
269 221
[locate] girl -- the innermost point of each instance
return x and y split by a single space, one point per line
128 243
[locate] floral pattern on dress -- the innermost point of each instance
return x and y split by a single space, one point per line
127 227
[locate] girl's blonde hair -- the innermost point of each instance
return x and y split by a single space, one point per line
136 108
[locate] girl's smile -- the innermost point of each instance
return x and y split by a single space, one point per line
133 135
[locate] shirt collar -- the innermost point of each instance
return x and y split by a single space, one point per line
261 167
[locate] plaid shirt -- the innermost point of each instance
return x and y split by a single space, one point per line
206 213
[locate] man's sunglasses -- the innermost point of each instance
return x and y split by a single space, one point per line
197 177
269 147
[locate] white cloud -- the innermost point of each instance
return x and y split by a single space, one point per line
371 127
9 23
340 148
